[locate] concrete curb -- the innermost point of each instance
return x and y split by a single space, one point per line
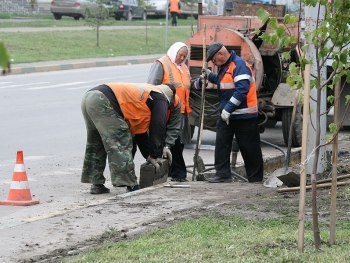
24 68
275 162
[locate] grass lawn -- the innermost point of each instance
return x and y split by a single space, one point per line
149 37
218 238
58 45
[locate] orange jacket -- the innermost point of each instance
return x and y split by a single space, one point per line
247 107
181 81
132 99
174 6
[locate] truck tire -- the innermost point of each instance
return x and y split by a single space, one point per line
286 122
57 16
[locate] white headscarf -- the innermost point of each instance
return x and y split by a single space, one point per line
172 52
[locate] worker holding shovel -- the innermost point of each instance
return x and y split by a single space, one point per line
239 113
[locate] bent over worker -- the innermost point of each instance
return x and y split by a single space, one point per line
238 106
113 113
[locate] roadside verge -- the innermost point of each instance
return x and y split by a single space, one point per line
24 68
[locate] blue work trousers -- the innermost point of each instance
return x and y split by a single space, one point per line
247 136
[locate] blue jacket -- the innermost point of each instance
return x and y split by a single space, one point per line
236 88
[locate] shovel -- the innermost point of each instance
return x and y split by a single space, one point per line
285 174
197 160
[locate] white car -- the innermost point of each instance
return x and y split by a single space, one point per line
158 8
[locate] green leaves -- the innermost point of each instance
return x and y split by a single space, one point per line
4 59
332 128
294 78
290 19
263 15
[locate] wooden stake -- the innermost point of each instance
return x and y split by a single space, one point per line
324 185
335 150
301 225
340 177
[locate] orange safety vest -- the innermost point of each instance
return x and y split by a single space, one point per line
181 81
132 99
174 6
227 83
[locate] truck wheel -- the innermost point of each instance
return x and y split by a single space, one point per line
286 122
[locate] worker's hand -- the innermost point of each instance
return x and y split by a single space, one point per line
167 154
204 76
154 162
205 72
225 116
197 85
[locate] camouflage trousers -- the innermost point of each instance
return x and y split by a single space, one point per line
108 135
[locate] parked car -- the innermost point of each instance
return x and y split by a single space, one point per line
158 8
80 8
190 8
129 10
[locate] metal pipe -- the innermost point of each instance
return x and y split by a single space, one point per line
274 146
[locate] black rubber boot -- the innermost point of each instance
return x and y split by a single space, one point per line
97 189
133 188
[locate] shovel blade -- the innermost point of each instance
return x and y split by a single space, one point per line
290 179
272 181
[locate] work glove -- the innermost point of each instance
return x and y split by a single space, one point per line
167 154
205 73
225 116
197 85
155 162
203 78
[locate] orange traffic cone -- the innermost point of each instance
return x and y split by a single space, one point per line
19 193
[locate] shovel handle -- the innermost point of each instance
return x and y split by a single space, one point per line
201 114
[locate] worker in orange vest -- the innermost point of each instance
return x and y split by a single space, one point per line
171 68
174 9
113 113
